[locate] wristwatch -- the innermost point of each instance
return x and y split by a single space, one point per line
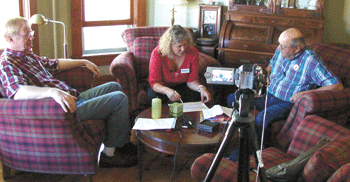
199 88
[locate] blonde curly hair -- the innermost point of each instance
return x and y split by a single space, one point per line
173 35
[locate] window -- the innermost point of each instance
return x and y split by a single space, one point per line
97 25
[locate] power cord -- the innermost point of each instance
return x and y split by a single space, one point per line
259 155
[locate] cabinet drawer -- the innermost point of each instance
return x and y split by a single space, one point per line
235 59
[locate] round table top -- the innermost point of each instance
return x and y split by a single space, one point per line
187 141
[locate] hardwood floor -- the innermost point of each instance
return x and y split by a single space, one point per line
157 166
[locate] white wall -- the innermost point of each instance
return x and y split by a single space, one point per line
186 15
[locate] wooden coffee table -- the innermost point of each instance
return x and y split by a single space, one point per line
187 141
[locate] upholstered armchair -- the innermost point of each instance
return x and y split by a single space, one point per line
130 69
330 162
38 136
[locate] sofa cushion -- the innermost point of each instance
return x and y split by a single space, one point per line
143 47
337 60
327 160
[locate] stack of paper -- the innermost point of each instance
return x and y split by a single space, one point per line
154 124
217 112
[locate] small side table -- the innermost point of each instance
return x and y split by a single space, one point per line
208 50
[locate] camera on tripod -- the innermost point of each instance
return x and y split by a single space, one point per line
247 76
250 80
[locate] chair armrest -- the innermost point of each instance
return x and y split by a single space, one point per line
332 105
204 62
38 109
80 78
48 114
122 68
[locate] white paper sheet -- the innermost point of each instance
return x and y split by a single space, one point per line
154 124
215 111
193 106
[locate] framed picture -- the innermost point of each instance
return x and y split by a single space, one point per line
209 21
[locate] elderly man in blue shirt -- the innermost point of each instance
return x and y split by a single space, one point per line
293 71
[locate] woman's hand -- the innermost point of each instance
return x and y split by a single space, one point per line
205 95
173 96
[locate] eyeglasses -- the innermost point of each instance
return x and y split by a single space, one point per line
30 34
283 47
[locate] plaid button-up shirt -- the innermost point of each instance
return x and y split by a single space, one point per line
306 71
18 68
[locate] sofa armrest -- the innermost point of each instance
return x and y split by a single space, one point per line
80 78
341 175
331 105
49 116
38 109
123 69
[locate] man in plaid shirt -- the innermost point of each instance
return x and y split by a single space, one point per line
293 70
25 75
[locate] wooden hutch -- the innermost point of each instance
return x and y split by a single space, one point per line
251 28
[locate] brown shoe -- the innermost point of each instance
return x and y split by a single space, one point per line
128 148
118 160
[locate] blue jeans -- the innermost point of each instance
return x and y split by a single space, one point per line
276 110
107 102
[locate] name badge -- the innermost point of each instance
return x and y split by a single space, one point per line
185 70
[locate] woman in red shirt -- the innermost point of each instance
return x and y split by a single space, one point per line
173 69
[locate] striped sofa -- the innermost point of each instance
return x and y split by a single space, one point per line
38 136
130 69
331 162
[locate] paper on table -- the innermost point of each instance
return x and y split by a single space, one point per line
154 124
193 106
216 110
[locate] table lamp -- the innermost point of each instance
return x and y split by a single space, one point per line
40 19
172 2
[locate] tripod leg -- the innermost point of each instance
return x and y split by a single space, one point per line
243 162
257 151
217 159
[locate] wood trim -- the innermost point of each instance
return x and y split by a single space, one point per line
138 18
76 11
139 13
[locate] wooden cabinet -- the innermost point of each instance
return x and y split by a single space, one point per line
250 33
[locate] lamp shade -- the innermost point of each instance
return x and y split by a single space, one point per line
37 19
172 1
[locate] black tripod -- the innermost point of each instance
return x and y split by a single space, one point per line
247 137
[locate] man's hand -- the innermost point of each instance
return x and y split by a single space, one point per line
93 67
64 99
296 96
64 64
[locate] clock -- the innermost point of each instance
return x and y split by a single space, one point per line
209 21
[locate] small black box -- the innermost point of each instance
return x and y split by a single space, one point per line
208 126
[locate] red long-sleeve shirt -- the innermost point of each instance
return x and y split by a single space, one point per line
160 71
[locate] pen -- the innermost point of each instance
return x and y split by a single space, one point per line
180 98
